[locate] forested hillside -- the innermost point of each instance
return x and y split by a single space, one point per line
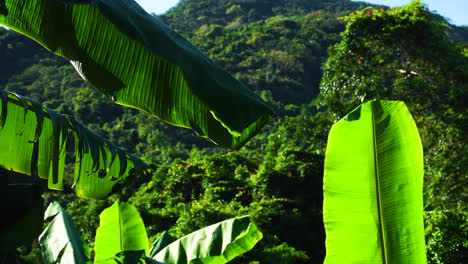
276 47
294 55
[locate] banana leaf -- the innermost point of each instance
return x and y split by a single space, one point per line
60 242
34 139
218 243
132 257
121 235
138 61
373 201
161 242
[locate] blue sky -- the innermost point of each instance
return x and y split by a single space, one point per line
455 10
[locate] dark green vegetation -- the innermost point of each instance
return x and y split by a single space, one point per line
277 48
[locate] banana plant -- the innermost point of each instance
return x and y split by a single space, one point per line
373 182
34 140
121 238
60 241
121 229
137 61
217 244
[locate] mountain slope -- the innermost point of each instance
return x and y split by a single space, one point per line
189 15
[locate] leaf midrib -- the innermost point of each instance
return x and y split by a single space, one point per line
120 228
377 174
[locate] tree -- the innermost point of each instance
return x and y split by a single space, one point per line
401 54
404 54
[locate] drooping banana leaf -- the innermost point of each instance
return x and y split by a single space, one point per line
121 235
33 141
60 241
373 201
218 243
138 61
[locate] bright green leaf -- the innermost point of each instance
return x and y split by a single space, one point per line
373 202
218 243
121 229
61 242
33 140
138 61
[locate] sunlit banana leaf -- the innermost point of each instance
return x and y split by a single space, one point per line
373 202
33 141
138 61
121 235
218 243
61 242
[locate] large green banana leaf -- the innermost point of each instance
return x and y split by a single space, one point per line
373 202
121 231
60 241
215 244
138 61
33 141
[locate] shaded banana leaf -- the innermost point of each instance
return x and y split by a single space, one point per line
133 257
120 235
129 257
61 242
161 242
33 140
373 201
218 243
138 61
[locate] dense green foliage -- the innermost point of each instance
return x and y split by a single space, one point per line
447 229
277 48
